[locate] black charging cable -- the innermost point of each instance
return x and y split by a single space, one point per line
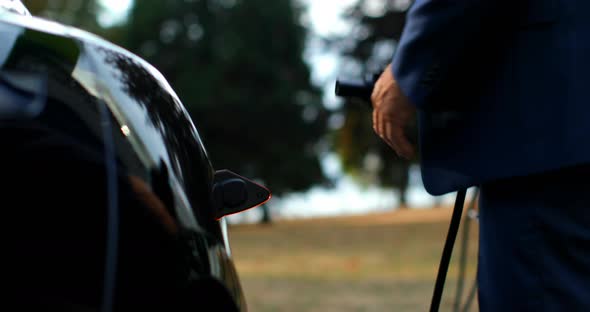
445 259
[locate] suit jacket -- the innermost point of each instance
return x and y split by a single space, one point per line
501 87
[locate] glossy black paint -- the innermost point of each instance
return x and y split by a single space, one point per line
175 257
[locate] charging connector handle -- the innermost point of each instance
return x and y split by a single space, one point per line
355 89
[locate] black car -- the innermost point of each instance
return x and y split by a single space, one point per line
110 200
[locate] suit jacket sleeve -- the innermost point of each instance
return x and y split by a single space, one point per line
436 36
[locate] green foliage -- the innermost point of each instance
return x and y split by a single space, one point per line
370 45
238 67
81 13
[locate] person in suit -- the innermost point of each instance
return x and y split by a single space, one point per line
500 91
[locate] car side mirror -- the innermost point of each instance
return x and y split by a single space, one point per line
233 193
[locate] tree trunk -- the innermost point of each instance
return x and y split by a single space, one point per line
437 201
403 185
266 219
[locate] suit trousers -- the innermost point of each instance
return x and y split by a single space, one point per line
534 252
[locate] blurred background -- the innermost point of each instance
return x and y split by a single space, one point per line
350 227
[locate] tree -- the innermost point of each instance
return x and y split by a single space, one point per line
377 26
237 65
83 14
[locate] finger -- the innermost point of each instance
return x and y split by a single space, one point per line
376 94
374 115
378 90
404 149
383 124
390 131
390 134
377 124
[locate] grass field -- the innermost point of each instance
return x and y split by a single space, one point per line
381 262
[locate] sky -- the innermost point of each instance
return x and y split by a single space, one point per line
323 19
116 11
324 15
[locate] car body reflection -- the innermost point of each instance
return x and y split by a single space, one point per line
155 142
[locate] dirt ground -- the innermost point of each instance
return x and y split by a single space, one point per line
377 262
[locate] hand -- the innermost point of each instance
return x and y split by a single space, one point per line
392 112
